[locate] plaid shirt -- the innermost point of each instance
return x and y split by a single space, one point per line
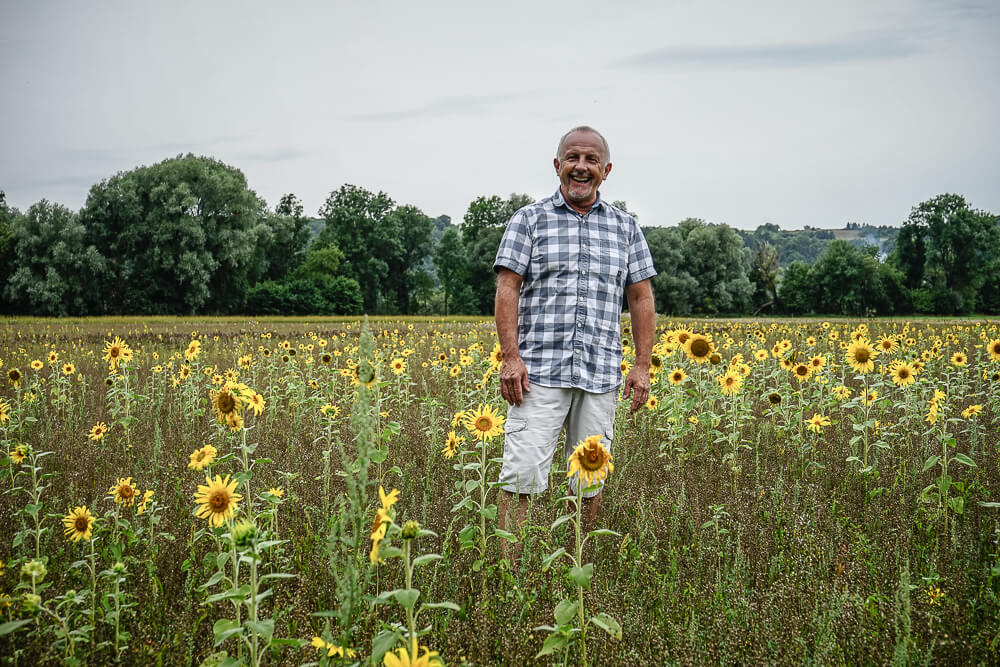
575 269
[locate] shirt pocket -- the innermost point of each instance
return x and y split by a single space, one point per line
611 263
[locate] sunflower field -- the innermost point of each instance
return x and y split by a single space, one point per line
282 491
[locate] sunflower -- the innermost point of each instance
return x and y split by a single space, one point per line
79 523
68 369
398 366
256 403
993 347
146 497
652 403
452 444
760 355
37 365
903 374
870 397
972 410
484 422
114 351
817 362
455 370
330 411
202 458
888 344
677 376
277 492
817 422
53 356
496 356
98 431
959 359
14 377
730 383
19 454
591 461
860 356
4 411
655 364
801 372
408 658
226 403
699 348
193 350
217 500
123 492
383 517
774 398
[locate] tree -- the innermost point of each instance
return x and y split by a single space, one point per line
702 268
55 271
765 269
283 239
845 281
948 252
796 292
179 236
355 223
413 229
482 228
452 271
7 216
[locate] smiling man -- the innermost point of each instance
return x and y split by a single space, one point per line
563 268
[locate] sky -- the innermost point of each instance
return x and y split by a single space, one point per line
789 112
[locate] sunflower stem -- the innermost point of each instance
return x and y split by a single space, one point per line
579 563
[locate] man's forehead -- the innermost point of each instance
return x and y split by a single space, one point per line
583 139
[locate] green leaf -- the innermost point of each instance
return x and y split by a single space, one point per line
441 605
471 484
224 629
382 643
608 624
490 512
551 558
965 460
989 504
603 531
560 521
213 580
407 598
566 610
263 628
426 558
581 576
957 505
931 462
552 644
9 627
944 483
503 534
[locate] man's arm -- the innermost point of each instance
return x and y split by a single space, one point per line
642 309
513 373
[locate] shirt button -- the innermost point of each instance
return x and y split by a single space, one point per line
579 325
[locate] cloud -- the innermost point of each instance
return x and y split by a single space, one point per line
456 105
278 154
864 49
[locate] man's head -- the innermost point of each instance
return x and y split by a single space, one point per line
583 161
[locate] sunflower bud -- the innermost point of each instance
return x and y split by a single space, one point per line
35 569
410 530
118 567
244 534
774 398
31 603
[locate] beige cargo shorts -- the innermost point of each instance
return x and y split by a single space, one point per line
532 433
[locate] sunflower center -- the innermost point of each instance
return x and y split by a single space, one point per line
114 352
226 403
81 524
903 373
484 423
218 501
126 491
862 356
700 348
801 369
591 459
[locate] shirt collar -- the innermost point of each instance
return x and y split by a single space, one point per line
559 200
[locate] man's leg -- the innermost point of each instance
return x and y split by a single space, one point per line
512 516
590 414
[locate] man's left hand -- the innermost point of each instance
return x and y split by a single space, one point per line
637 386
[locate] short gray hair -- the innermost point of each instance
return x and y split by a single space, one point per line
585 128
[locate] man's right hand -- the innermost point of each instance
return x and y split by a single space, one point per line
513 380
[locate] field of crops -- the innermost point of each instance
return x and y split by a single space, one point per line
287 492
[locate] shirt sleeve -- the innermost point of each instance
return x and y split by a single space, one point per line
515 246
640 261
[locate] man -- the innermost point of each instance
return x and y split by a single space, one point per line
563 266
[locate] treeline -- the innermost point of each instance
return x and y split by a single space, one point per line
188 236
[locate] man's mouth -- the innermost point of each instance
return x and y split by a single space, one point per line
581 179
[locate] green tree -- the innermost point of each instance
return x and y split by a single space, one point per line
702 268
179 236
55 270
7 216
482 228
407 273
948 252
796 291
355 223
846 281
452 271
282 239
765 270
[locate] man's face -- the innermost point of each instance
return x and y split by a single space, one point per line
581 168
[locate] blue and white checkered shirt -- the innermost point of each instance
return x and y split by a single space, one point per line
575 269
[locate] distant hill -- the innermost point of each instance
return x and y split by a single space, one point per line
805 245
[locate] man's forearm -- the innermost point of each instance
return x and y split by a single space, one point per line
642 310
506 316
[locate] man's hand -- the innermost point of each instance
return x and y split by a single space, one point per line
637 386
514 380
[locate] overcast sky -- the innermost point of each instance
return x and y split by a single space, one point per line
793 112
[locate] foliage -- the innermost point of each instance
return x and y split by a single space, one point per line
482 228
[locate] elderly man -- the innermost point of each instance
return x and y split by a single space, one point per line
563 266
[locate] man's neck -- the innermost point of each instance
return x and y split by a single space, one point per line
582 210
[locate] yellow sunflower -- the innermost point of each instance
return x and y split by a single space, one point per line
452 444
79 524
903 374
37 365
993 347
123 491
68 369
652 402
202 458
398 366
4 411
146 497
730 383
383 517
14 377
496 356
193 350
801 372
408 658
115 351
972 410
677 376
860 356
217 500
590 461
19 454
817 422
699 348
959 359
98 431
484 422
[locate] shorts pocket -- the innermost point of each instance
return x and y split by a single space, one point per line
515 425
